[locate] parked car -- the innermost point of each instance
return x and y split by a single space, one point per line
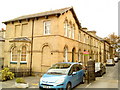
62 75
110 62
85 71
84 66
100 69
116 59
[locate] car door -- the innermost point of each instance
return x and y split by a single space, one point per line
73 77
80 73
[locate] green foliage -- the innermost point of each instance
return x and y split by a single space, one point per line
6 74
20 80
10 75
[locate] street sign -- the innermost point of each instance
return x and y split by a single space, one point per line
86 53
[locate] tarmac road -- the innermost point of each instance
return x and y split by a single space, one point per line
108 80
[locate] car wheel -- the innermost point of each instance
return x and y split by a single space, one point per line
105 72
83 80
100 74
40 88
69 87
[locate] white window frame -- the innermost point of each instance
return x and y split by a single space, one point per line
12 55
47 27
69 31
22 54
73 32
65 29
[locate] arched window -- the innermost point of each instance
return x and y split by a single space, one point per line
65 54
73 55
66 28
73 32
79 36
84 38
14 54
70 29
23 53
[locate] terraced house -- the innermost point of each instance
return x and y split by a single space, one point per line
2 41
39 40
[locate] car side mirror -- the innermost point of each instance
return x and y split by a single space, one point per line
74 73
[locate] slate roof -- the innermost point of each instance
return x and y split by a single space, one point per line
46 13
99 38
21 39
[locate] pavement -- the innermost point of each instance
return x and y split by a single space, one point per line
32 80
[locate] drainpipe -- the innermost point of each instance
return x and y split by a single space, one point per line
31 47
104 53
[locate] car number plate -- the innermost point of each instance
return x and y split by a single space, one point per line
46 86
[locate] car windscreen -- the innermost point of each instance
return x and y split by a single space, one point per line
57 71
60 68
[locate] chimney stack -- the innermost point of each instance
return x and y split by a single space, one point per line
93 33
84 29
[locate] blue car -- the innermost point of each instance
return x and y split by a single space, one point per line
64 75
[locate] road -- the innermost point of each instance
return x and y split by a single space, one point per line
108 80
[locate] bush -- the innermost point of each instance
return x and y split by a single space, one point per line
10 75
20 80
6 74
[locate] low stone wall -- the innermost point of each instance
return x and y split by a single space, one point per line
20 72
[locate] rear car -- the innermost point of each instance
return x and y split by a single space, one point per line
64 75
110 62
116 59
100 69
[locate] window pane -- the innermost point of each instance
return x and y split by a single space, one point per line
14 54
23 54
47 27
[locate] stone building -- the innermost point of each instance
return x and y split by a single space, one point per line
2 41
39 40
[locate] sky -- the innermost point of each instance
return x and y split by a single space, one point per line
98 15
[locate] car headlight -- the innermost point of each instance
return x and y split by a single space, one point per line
59 81
41 79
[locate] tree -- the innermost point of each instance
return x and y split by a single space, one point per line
112 39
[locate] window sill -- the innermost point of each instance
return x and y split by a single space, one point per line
12 62
23 62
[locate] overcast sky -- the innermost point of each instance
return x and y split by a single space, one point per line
98 15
